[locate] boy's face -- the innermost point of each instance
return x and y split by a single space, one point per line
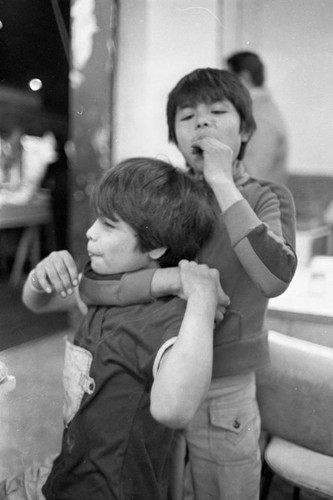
113 248
219 120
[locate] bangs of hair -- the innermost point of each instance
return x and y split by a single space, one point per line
106 201
190 96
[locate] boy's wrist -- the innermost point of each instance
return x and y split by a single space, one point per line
227 194
166 281
204 300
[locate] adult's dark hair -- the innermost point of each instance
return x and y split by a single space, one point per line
210 85
250 62
163 205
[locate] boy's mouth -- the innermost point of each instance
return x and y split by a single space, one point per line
196 151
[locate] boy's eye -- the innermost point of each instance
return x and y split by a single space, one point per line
107 223
186 117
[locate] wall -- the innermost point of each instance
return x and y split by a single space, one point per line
93 25
295 39
159 42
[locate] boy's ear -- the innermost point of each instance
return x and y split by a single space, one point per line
245 136
157 253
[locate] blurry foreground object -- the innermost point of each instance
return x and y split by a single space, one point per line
21 177
7 382
23 204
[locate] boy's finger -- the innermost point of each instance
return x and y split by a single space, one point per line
219 315
40 282
49 279
64 264
69 269
67 278
224 300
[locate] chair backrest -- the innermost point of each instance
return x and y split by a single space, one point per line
295 392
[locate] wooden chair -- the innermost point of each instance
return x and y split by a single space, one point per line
295 396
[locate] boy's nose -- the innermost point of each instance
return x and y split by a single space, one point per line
203 121
91 233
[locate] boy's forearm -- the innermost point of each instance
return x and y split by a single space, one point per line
165 281
184 376
226 193
264 242
136 287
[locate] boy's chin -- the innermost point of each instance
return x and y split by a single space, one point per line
196 164
96 267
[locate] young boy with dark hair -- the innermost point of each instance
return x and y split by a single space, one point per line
210 120
133 373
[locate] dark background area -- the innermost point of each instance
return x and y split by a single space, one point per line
34 43
31 46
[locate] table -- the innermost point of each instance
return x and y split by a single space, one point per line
30 217
305 310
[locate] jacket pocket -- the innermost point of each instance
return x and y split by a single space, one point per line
234 432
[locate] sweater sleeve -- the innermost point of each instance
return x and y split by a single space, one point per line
131 288
263 237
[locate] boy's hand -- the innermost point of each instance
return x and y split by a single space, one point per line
199 279
217 167
57 272
217 159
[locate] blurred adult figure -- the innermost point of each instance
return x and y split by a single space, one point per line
266 154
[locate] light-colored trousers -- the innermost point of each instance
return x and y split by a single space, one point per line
221 445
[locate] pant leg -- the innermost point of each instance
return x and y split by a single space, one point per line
177 467
28 484
223 442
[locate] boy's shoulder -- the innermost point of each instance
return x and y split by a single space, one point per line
257 189
134 330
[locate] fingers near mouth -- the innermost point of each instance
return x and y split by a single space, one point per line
196 150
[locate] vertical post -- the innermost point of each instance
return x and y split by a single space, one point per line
93 34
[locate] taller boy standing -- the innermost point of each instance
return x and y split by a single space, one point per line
210 120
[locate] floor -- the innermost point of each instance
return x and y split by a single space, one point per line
30 416
31 346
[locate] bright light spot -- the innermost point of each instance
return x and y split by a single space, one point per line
35 84
1 25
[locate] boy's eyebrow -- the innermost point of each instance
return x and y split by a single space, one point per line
100 214
185 105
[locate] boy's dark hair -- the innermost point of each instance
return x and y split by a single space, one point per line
210 85
163 205
248 61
